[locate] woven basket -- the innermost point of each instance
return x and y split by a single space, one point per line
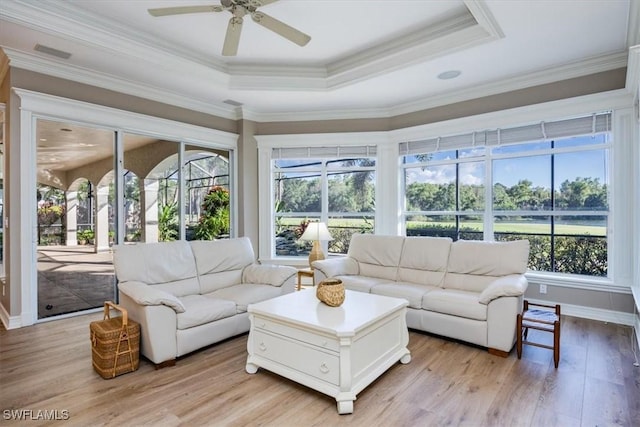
115 343
331 292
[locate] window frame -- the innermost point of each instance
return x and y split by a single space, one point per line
489 213
388 176
266 146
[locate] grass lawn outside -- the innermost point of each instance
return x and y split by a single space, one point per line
498 227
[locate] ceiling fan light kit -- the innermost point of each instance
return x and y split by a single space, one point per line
239 8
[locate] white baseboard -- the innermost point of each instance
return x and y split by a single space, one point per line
592 313
8 321
636 327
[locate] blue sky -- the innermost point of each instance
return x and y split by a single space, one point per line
537 169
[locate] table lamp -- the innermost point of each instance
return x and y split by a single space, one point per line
316 232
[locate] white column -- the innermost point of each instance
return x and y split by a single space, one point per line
72 218
149 215
102 219
388 198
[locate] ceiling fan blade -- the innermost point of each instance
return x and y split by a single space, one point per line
232 39
279 27
179 10
260 3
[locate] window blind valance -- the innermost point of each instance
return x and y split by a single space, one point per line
588 125
323 152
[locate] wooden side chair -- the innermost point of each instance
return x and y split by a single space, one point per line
543 320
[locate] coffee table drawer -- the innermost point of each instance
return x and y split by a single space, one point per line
297 355
297 334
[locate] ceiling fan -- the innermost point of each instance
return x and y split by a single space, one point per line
239 8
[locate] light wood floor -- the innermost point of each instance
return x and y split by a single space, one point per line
48 367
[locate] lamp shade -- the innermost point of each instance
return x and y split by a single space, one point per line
316 231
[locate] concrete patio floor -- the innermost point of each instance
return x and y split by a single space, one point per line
73 278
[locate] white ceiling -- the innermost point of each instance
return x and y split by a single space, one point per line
366 58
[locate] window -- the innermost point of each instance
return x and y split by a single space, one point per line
547 183
335 186
444 195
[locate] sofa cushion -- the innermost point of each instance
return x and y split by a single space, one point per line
424 260
168 265
456 303
200 310
220 263
361 283
473 265
377 256
412 292
244 294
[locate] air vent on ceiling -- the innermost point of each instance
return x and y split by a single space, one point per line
232 102
51 51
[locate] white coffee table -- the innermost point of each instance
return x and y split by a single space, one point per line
337 351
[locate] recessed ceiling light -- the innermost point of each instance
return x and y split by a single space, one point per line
448 75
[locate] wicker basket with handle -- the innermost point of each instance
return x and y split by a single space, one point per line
115 343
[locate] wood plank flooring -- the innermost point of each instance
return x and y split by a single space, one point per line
47 367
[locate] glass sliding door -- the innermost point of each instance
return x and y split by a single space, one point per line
74 166
150 188
93 183
207 193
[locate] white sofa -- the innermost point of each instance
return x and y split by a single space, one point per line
466 290
187 295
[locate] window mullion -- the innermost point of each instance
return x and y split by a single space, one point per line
488 198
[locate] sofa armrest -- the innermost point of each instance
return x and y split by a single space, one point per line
507 286
158 339
274 275
339 266
143 294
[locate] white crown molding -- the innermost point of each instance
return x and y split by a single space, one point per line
66 20
86 112
322 139
4 65
548 75
534 113
443 44
63 70
633 71
451 34
301 116
633 29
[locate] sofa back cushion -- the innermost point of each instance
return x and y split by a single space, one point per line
377 256
474 264
220 262
168 265
424 260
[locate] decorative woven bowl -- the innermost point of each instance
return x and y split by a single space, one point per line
331 292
